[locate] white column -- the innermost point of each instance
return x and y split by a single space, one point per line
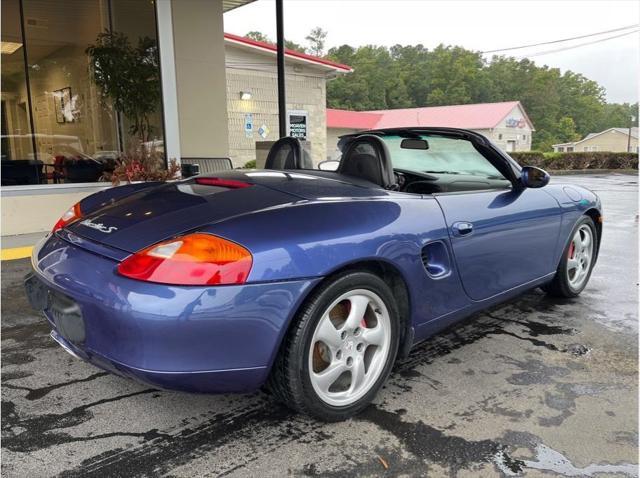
168 72
198 41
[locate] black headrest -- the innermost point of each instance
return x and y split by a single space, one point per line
367 157
288 153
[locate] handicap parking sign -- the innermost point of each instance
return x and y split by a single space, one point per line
248 125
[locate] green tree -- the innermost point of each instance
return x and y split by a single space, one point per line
128 76
566 130
581 99
617 115
291 45
316 38
453 76
412 66
375 83
563 106
258 36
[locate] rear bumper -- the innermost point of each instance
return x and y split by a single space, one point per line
211 381
202 339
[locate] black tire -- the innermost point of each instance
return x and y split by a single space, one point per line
560 286
289 381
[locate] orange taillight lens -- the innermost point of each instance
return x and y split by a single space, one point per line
71 215
194 259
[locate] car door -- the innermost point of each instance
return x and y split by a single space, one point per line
503 235
501 239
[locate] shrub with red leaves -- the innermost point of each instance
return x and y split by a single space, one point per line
142 164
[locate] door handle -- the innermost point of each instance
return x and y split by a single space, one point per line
462 228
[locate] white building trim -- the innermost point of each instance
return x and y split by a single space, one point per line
168 75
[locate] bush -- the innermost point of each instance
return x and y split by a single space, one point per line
589 160
250 164
142 164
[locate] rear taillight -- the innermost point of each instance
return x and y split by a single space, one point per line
194 259
73 214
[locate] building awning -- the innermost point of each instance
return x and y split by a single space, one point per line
231 4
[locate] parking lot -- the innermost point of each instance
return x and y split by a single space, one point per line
534 387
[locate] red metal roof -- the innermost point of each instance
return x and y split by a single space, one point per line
352 119
289 53
476 116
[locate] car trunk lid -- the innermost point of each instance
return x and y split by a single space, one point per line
162 212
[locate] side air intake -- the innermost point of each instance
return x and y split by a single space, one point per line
436 261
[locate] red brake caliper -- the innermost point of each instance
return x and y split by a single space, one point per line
572 250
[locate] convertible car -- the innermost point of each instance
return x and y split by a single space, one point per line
307 282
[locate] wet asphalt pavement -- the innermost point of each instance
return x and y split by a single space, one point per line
534 387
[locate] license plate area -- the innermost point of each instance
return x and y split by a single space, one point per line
67 317
37 292
63 311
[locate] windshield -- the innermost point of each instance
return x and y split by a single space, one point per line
445 155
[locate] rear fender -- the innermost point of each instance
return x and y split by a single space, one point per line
317 238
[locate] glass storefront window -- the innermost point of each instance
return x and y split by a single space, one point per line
137 21
80 124
18 159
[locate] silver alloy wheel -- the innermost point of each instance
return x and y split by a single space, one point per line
580 256
349 348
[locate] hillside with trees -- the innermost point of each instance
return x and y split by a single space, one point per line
562 106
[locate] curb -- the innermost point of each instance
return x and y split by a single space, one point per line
15 253
566 172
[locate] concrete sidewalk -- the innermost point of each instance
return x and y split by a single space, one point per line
20 246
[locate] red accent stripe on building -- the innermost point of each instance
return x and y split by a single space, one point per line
288 52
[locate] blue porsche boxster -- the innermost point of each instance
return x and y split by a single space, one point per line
307 281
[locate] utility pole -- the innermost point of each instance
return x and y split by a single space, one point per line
633 120
282 102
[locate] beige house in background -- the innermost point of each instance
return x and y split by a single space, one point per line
612 140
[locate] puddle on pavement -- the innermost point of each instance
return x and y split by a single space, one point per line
548 459
578 350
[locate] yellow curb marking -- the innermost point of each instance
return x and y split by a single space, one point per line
15 253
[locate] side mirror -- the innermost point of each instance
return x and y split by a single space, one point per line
533 177
329 165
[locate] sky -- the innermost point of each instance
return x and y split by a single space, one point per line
477 25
